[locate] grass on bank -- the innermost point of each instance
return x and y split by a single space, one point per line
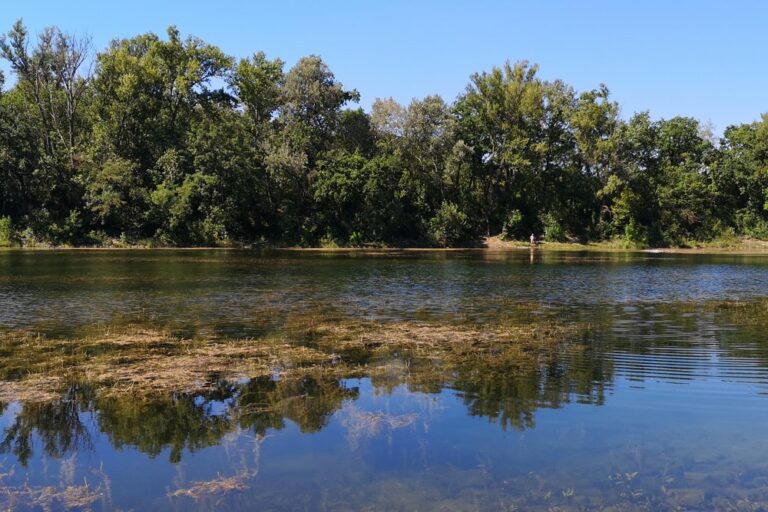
727 241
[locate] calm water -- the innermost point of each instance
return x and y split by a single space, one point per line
663 407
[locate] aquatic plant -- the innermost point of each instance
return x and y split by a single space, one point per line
139 360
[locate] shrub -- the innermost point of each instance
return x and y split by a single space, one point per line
328 241
450 226
7 233
553 229
355 239
751 224
513 226
635 235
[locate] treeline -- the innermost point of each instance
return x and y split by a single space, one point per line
171 141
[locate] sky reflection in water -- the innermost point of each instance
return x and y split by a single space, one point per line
665 407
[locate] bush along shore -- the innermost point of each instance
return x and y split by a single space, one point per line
168 141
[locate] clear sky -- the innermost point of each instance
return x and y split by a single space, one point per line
699 58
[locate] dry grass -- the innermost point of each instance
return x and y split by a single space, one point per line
79 497
361 424
139 360
217 486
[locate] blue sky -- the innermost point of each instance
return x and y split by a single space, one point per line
701 58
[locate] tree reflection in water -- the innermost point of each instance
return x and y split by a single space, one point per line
643 344
192 421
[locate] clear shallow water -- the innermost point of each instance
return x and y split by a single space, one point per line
664 407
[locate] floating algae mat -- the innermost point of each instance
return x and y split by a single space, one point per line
459 380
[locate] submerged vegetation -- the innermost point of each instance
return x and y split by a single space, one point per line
166 395
505 368
169 141
73 497
155 391
139 361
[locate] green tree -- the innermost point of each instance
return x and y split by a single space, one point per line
450 226
501 117
308 122
741 178
49 101
149 95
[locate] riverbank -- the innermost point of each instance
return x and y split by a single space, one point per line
737 246
493 243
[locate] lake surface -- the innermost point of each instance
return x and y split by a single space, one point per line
661 403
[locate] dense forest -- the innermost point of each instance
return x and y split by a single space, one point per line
169 141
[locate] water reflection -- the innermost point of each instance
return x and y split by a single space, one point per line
661 343
658 404
229 292
175 423
58 427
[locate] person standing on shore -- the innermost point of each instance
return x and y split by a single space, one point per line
533 239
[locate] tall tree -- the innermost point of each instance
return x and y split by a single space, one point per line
309 120
149 96
53 78
501 118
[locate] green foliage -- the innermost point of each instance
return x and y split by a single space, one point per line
327 241
338 188
553 229
149 92
513 228
171 141
116 197
7 233
189 214
257 82
356 239
68 232
751 224
635 235
450 226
